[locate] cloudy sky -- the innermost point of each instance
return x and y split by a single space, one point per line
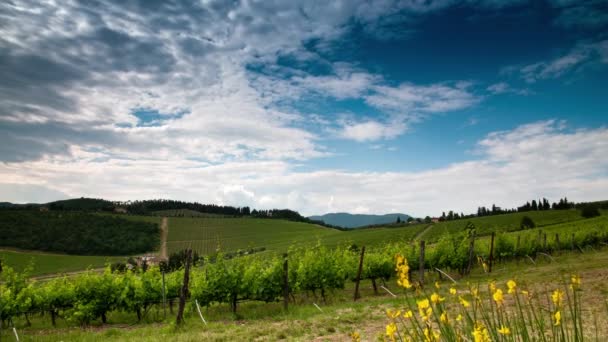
360 106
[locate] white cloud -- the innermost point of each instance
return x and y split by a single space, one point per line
418 99
541 159
505 88
371 130
576 58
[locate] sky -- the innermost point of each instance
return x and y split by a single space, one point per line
354 106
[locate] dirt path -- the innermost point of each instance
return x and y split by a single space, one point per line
421 234
164 232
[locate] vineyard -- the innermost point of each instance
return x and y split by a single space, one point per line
312 273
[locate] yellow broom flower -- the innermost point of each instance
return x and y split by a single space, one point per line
558 317
498 297
453 291
557 297
391 330
512 286
464 302
435 298
504 330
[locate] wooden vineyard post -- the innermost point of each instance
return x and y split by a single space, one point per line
471 253
358 279
421 263
491 259
285 283
184 291
572 242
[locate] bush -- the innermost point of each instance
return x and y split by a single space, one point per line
526 223
589 212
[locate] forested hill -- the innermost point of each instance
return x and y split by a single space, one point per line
347 220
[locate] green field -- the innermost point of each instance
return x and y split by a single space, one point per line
47 263
505 222
231 234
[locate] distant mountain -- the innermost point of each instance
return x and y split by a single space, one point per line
347 220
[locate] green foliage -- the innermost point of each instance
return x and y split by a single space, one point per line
77 233
590 211
527 223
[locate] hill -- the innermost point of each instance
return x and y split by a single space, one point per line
231 234
347 220
75 232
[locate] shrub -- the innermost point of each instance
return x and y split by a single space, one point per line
526 223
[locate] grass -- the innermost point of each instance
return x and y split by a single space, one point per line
48 263
340 317
204 234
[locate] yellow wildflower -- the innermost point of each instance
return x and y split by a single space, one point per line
408 314
402 272
435 298
426 316
437 286
558 317
525 293
492 286
512 285
464 302
575 281
393 314
356 336
557 297
423 304
504 330
430 335
453 291
498 298
480 333
391 330
459 317
444 317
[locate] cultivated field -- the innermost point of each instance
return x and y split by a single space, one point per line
231 234
49 263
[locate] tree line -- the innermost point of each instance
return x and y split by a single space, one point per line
76 233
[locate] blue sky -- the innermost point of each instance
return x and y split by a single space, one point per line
358 106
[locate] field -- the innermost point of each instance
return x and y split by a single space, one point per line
231 234
505 222
48 263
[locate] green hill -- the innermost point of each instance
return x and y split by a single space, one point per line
505 222
231 234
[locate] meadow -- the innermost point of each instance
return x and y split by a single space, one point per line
50 263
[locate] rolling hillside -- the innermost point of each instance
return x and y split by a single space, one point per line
231 234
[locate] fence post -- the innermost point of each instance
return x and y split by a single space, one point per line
184 291
285 283
572 242
471 253
491 259
358 279
421 263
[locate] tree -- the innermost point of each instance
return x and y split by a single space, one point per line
427 219
410 219
590 211
398 219
526 223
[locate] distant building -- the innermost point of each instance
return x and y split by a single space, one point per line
120 210
44 209
435 219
